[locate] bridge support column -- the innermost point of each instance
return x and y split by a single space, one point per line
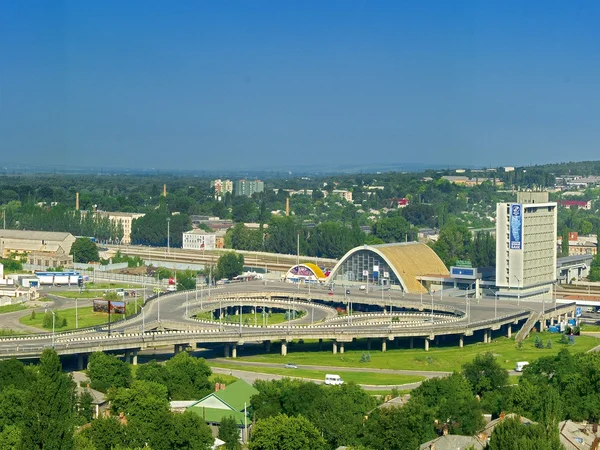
268 346
437 340
461 341
234 350
134 357
320 344
335 347
426 344
368 343
283 348
509 330
341 348
383 345
81 358
226 350
411 343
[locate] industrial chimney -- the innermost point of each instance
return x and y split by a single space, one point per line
76 201
287 206
165 190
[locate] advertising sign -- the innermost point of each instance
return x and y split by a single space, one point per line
516 226
386 274
578 311
115 307
365 273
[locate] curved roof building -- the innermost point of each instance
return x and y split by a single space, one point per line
396 264
305 272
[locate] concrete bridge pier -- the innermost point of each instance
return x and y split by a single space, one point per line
82 361
268 346
426 344
234 351
131 356
411 343
283 348
368 343
341 348
226 350
461 341
508 330
335 348
320 344
486 336
383 345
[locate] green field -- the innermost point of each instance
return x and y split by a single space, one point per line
588 327
87 318
76 294
373 378
448 358
112 285
272 319
12 308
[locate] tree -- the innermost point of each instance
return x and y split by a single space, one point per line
108 371
186 280
484 250
230 432
230 265
511 434
190 432
84 407
454 243
485 374
84 251
155 372
106 433
49 418
286 433
398 428
189 377
564 246
595 269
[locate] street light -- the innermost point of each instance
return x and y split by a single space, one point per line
518 289
143 320
53 323
168 235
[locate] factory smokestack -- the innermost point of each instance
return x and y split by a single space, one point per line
76 201
287 206
165 190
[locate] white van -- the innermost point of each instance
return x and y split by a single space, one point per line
520 366
334 380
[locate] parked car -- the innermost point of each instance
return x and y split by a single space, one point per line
290 366
520 366
363 287
334 380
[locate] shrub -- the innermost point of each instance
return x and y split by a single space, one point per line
538 342
365 357
549 344
32 314
563 339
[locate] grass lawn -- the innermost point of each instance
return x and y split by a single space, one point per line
112 285
9 332
589 327
76 294
358 377
87 318
221 378
12 308
443 358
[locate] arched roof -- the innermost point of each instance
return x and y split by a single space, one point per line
316 270
408 260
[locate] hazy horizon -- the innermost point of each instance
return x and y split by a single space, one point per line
234 86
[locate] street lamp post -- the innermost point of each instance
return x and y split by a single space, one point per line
53 323
431 307
143 320
168 235
518 289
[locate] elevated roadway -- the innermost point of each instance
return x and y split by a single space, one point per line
167 321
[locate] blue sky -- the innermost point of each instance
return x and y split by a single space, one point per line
277 84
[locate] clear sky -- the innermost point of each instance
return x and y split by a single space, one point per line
248 84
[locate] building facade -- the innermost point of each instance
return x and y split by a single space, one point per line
222 187
199 240
248 187
526 246
123 218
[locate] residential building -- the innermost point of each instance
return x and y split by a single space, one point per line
526 246
248 187
125 219
232 400
403 202
222 187
470 181
579 435
342 193
578 204
199 240
580 245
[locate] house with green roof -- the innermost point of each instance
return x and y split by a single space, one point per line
232 400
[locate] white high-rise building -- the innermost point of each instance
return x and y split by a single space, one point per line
199 240
526 246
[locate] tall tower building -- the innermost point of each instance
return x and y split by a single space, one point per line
526 246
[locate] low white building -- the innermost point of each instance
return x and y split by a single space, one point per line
199 240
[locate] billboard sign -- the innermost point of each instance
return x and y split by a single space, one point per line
578 311
516 226
115 307
365 273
